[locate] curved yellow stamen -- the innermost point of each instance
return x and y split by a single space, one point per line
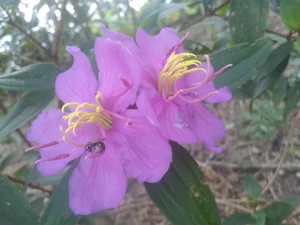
86 113
176 67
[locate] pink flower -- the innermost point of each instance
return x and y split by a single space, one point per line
174 86
110 139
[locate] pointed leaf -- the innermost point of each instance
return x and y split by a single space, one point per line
293 97
58 211
248 20
273 68
7 160
35 77
260 218
14 208
181 196
252 187
29 106
276 212
246 59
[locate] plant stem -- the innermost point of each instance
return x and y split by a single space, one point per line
284 154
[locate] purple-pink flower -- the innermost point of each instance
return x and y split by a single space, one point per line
174 86
96 126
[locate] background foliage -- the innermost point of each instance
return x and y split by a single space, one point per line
265 75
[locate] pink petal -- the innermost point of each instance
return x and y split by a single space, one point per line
115 62
146 155
194 78
155 48
77 84
170 118
208 128
46 129
97 184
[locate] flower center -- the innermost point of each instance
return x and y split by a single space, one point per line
177 66
87 113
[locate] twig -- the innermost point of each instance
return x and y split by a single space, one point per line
199 19
12 23
33 186
232 205
278 34
20 133
284 154
102 15
58 32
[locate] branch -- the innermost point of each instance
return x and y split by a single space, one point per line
58 32
284 154
20 133
33 186
101 14
199 19
12 23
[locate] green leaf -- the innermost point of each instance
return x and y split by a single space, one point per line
273 68
9 2
248 20
276 212
14 208
245 58
260 218
29 106
280 90
293 97
7 160
238 219
157 10
35 77
38 204
252 187
99 218
207 5
289 13
181 196
58 211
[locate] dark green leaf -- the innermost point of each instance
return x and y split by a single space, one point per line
38 204
248 20
9 2
196 47
58 211
293 97
280 90
238 219
245 59
252 187
35 77
181 196
14 208
276 212
260 218
97 219
7 160
30 105
273 68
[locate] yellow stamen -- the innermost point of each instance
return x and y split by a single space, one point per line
176 67
86 113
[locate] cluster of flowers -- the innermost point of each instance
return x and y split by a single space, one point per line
99 125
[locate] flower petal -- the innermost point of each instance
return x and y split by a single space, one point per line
77 84
97 183
194 78
208 128
155 48
170 118
119 76
46 129
146 155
